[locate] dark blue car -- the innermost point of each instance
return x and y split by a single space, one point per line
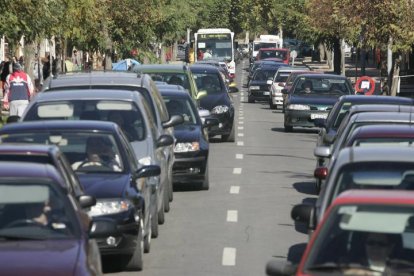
105 163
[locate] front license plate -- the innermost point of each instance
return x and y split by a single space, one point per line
319 116
266 93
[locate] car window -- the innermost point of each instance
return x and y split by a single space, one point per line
263 75
273 54
159 103
171 78
209 82
77 188
326 85
282 76
181 106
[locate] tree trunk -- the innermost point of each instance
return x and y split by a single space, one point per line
343 69
337 56
328 53
396 73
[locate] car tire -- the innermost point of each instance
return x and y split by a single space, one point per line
288 128
167 198
205 185
154 221
229 137
148 236
250 100
171 189
135 263
161 214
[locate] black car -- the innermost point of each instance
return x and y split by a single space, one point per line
107 168
259 85
217 101
192 145
311 97
263 62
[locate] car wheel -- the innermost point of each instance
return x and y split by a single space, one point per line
161 214
154 220
288 128
229 137
148 236
135 262
205 185
167 198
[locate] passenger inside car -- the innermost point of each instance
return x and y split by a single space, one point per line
175 80
210 84
307 86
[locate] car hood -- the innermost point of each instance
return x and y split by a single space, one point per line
187 133
313 99
52 257
104 185
213 100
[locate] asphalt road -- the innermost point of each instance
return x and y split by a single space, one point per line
244 219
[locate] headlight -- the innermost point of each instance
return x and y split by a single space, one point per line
186 147
145 161
254 88
107 207
220 109
298 107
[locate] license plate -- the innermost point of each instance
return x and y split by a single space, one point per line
266 93
319 116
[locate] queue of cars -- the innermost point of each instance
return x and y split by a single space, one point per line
112 144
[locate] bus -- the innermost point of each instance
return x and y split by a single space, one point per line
217 41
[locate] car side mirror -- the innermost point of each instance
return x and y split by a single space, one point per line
329 138
201 94
320 122
322 152
303 213
280 268
148 171
86 201
285 91
209 122
102 228
165 141
173 121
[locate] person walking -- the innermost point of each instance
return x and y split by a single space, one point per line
37 73
18 91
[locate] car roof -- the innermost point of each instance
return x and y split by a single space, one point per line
374 154
382 117
161 68
175 93
320 76
94 78
383 131
103 126
203 68
16 169
389 197
292 69
91 94
375 99
27 149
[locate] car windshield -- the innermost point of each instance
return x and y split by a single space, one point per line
282 77
273 54
325 85
33 209
381 142
124 113
181 106
86 151
375 175
258 45
171 78
341 114
359 240
209 82
264 74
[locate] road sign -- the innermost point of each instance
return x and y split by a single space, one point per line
294 54
365 85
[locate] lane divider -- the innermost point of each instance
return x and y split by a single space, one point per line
229 256
232 215
234 190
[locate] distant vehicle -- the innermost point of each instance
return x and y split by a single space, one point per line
281 53
259 85
220 42
265 41
363 233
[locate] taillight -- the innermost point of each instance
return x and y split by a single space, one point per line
321 173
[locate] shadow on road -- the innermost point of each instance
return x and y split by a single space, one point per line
305 187
296 130
187 187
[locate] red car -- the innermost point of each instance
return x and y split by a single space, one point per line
363 233
281 53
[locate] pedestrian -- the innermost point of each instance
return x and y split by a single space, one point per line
37 73
46 67
75 60
4 73
18 90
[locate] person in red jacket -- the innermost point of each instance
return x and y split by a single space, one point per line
18 91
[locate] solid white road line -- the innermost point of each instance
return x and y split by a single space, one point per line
235 190
237 170
229 256
239 156
232 215
240 134
240 143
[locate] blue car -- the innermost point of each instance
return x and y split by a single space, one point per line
104 161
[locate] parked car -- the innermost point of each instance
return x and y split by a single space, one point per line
259 85
44 229
313 96
120 81
279 82
105 163
363 233
218 101
129 110
192 145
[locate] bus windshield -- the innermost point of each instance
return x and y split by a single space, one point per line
215 46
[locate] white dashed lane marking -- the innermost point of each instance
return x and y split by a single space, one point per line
241 122
237 170
234 190
239 156
240 143
232 215
229 256
240 127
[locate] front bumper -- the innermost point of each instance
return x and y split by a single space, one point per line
225 124
259 95
190 167
303 118
277 99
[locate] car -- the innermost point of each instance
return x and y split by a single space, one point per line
312 96
329 154
119 81
44 228
131 112
104 161
279 82
44 154
218 101
192 145
260 63
259 85
172 74
281 53
363 233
